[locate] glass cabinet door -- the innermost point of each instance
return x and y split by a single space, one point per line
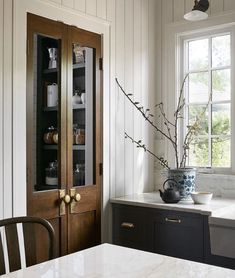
83 111
46 119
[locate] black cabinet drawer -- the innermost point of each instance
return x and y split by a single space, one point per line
178 234
129 226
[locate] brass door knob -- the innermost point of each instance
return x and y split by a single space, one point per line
66 199
76 197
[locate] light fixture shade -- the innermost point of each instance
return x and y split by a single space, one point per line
199 11
195 15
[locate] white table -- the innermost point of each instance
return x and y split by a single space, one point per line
114 261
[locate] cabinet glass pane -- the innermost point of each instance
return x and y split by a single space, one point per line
83 115
46 121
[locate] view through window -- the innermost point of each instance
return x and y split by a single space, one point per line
208 96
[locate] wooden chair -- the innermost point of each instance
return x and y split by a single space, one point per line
12 241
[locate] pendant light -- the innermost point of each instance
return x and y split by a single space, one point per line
199 11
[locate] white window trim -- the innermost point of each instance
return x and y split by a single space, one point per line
181 66
173 39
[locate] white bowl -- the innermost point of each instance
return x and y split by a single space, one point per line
201 197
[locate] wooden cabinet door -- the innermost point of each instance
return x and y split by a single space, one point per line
64 132
84 138
43 193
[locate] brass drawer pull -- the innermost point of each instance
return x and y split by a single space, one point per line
173 220
127 225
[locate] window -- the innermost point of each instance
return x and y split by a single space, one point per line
207 60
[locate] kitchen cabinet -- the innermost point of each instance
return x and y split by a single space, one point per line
64 87
173 233
177 234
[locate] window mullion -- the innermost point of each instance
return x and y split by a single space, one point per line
210 105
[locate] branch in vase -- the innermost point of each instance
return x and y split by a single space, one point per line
145 113
139 144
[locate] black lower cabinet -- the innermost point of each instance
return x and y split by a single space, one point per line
178 234
130 227
172 233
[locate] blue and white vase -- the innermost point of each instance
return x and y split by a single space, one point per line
185 178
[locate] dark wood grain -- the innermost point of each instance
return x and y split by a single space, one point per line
70 227
30 240
13 247
29 243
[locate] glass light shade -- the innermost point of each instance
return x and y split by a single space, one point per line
195 15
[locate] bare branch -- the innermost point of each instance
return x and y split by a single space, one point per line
139 144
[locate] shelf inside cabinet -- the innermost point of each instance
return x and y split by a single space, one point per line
52 108
79 66
50 147
55 147
79 147
78 106
46 71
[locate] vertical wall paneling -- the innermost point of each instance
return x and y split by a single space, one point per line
229 5
145 87
178 9
152 38
188 5
158 78
7 107
137 89
102 8
216 6
80 5
91 7
1 109
68 3
167 17
120 102
128 64
111 9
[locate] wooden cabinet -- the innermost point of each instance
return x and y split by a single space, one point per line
173 233
64 143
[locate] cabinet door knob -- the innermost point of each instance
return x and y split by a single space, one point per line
127 225
76 197
173 220
66 199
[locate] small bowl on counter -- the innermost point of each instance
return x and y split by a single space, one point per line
201 197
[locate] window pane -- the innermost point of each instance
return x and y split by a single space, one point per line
198 54
221 85
221 51
198 87
221 152
200 113
198 153
221 119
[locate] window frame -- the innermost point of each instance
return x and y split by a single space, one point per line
180 73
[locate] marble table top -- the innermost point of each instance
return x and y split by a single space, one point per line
112 261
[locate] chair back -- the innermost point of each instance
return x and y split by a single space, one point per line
11 242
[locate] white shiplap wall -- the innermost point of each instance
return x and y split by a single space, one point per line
5 108
1 109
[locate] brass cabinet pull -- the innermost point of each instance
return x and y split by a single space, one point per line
64 200
173 220
127 225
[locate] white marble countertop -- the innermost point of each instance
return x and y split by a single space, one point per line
216 207
112 261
